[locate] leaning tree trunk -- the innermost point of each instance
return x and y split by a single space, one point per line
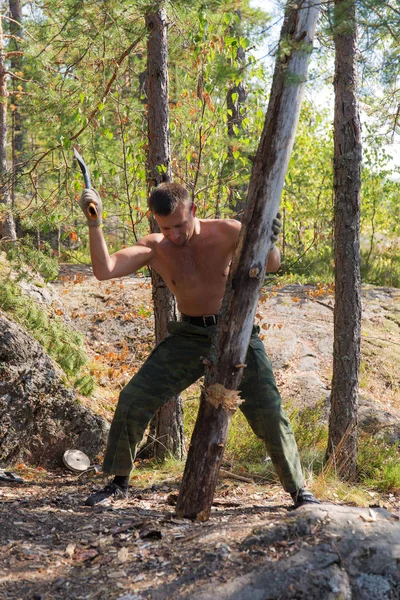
7 224
342 446
228 354
169 425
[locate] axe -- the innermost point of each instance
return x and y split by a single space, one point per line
92 209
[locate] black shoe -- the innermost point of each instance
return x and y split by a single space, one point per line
111 490
302 497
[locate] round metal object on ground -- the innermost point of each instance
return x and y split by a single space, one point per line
76 461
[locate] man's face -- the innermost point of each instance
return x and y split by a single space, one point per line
178 226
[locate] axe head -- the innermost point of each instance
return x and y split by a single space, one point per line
84 169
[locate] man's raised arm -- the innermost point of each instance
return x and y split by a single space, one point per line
123 262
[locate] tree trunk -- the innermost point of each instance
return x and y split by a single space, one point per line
168 423
7 224
229 349
235 104
342 448
16 67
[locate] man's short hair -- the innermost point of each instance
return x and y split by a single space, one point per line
167 197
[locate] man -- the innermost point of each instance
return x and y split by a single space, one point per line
193 257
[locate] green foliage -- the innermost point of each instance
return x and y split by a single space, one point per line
379 464
309 427
63 344
23 254
83 68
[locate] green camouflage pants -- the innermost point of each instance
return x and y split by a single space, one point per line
174 365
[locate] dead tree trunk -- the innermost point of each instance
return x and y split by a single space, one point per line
168 425
7 224
342 448
219 400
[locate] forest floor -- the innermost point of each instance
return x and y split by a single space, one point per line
53 547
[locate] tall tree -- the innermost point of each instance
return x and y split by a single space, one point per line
169 425
7 224
16 32
342 448
236 103
228 354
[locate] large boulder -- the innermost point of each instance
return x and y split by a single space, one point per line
40 417
337 553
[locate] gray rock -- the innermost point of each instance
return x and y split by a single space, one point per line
40 418
345 553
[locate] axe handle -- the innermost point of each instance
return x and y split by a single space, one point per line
92 211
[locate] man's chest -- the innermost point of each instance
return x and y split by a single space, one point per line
183 265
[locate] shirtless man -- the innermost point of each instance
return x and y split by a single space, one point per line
193 257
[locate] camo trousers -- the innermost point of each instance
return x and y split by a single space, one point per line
175 364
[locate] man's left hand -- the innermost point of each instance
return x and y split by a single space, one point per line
276 227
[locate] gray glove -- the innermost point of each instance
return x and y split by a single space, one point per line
276 228
92 207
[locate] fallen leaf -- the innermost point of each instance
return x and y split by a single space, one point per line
122 555
69 551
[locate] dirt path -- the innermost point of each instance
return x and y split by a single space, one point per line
53 547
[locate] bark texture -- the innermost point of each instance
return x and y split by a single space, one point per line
7 224
248 266
342 449
16 66
236 111
168 425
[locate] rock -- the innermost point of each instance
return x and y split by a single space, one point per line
280 345
345 553
307 388
378 422
40 418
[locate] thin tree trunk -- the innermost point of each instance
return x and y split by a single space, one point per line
235 104
16 67
228 353
169 425
342 448
7 224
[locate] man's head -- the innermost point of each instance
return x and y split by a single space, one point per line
166 198
174 212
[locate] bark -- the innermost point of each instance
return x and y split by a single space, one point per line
342 449
235 104
248 266
16 67
168 425
7 224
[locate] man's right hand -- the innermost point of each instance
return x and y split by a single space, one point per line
92 207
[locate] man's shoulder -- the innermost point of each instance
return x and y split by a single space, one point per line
222 225
152 240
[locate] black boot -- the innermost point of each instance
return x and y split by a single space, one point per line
116 489
302 497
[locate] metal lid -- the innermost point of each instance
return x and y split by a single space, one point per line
76 461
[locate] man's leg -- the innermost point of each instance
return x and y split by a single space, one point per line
263 410
172 366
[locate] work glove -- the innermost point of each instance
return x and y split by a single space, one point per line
92 207
276 228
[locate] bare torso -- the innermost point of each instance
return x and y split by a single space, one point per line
196 272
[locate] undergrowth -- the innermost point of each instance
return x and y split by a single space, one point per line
62 343
26 259
378 461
